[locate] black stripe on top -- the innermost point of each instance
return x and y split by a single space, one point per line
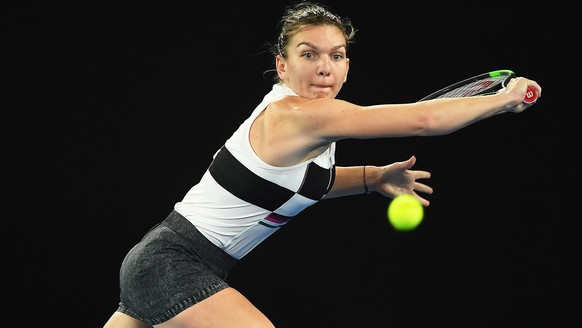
317 181
233 176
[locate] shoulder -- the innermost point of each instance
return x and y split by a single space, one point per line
320 120
297 104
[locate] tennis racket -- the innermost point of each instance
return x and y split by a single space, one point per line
480 85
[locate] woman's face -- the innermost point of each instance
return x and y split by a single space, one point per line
316 64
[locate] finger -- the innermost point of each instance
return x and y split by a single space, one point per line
421 174
422 200
407 164
421 187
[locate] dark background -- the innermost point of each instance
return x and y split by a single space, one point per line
117 109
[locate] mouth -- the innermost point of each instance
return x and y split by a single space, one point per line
318 86
322 91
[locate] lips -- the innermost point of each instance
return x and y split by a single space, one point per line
322 86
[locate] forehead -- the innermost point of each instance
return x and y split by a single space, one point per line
319 36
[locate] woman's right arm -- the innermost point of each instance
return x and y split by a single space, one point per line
327 120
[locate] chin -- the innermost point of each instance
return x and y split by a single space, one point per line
323 93
318 95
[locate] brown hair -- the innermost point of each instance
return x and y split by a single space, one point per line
308 13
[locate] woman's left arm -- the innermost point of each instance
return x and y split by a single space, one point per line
389 180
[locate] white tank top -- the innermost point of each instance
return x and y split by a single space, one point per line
241 200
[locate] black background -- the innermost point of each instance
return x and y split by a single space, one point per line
118 107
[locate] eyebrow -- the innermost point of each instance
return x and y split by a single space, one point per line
311 45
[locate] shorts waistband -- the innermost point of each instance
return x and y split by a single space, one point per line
212 254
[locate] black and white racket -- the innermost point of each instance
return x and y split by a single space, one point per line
480 85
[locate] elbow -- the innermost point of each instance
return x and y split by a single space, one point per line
426 125
432 125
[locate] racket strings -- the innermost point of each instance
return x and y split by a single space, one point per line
474 88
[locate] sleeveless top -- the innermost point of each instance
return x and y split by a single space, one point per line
241 200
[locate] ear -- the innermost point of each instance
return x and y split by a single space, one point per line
347 69
280 66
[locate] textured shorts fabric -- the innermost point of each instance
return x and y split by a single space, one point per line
172 268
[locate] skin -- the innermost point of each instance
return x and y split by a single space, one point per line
295 129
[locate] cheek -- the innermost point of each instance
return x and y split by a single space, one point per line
304 69
301 74
342 74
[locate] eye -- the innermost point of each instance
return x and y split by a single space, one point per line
337 57
308 55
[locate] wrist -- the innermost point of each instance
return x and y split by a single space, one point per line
367 189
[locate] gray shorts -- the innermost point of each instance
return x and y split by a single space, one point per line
172 268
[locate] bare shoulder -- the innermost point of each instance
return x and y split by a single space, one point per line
301 103
310 112
289 131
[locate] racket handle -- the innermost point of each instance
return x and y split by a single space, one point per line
530 96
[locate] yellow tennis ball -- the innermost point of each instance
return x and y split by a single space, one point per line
405 212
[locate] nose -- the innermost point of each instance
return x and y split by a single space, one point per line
323 68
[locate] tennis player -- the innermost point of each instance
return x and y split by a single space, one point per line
280 161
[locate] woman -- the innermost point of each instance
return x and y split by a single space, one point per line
277 163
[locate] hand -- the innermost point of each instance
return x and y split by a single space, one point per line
398 178
517 87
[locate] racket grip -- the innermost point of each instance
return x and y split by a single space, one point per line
530 96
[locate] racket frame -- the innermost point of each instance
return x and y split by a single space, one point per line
494 88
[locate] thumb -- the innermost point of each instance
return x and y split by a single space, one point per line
407 164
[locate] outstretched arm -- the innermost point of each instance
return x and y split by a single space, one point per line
390 180
294 129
